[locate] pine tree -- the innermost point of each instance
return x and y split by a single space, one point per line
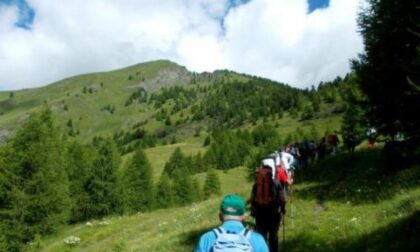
164 196
197 191
38 201
138 184
388 70
211 184
175 162
199 163
102 185
183 187
79 164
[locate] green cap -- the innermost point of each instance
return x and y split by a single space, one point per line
233 205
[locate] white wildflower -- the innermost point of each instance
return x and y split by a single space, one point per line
104 223
72 240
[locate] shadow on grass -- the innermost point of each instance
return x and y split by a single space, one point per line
399 236
357 177
191 238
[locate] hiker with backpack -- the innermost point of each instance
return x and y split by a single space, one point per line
288 161
333 141
268 205
231 235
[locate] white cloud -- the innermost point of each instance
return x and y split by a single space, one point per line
276 39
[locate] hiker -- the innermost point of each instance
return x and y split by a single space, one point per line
321 148
294 151
333 141
281 175
231 235
350 140
268 205
311 151
371 135
304 153
288 161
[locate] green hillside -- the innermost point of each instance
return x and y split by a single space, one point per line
81 98
221 120
155 95
345 203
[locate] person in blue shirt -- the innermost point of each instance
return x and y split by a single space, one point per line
232 214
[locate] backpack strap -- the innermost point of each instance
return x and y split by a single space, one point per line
246 233
218 231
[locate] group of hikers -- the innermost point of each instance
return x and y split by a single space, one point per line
268 206
270 192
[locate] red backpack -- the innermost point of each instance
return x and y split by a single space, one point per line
264 191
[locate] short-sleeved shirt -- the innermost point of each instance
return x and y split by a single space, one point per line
208 239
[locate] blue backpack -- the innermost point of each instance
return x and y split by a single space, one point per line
232 242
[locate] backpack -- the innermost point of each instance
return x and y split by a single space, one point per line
264 189
232 242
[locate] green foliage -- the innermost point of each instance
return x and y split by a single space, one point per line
354 118
228 149
267 137
164 197
181 96
79 164
211 184
140 95
36 198
390 65
308 113
183 187
314 133
138 184
207 141
109 108
232 104
138 137
176 162
102 183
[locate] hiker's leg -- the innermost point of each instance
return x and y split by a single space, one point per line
273 233
261 223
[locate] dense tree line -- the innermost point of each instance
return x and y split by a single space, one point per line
47 180
181 96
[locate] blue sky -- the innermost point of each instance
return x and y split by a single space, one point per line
26 13
317 4
284 40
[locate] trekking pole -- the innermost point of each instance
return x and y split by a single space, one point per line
284 232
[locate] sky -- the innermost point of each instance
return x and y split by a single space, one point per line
298 42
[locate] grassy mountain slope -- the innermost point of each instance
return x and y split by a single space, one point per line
81 98
345 203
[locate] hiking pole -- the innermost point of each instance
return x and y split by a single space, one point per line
284 232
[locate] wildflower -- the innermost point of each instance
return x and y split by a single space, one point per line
104 223
72 240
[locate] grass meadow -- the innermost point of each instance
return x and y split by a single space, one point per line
344 203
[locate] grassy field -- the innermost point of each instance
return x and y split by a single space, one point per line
344 203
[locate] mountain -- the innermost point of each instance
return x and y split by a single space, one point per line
159 98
